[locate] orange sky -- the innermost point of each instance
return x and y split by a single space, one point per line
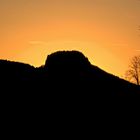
106 31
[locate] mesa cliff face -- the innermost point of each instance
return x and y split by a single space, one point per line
66 62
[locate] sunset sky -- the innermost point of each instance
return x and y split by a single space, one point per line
106 31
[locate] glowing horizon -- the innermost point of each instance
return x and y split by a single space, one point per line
105 31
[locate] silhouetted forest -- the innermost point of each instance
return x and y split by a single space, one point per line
66 74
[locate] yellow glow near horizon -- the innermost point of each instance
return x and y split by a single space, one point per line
106 31
93 51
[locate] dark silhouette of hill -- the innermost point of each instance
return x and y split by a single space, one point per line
58 91
66 74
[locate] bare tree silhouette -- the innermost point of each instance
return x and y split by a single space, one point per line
133 73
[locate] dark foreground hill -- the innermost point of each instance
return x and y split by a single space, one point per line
62 90
66 74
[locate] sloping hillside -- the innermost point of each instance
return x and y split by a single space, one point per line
66 73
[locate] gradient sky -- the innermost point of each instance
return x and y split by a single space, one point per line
106 31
